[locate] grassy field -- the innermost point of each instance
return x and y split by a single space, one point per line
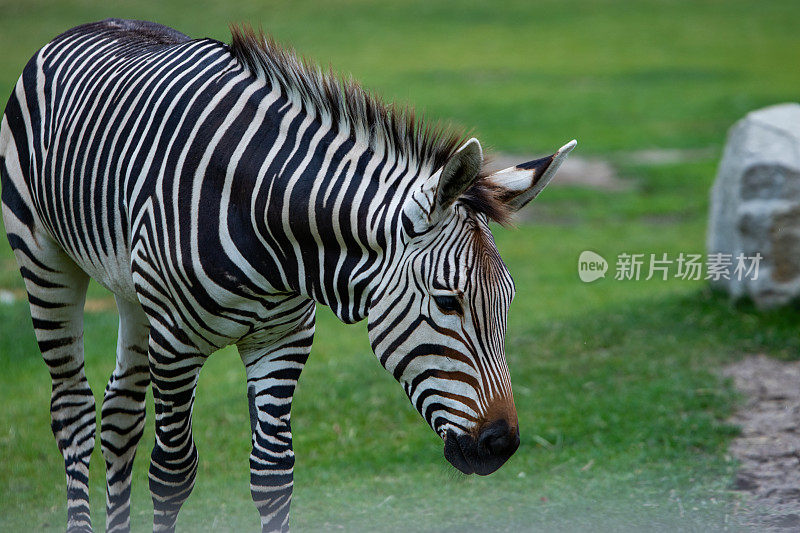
621 410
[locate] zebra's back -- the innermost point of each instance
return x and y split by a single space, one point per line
94 119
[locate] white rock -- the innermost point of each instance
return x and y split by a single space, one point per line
755 205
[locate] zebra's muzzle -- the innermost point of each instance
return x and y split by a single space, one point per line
482 455
454 453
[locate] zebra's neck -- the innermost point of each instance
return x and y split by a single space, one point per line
312 209
331 172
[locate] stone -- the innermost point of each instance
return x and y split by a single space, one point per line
755 207
745 481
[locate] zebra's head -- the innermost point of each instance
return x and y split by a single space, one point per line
437 319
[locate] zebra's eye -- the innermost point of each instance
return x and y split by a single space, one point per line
448 303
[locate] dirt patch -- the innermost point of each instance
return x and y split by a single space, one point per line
768 448
666 156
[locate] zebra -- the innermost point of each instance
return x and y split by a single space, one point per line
221 192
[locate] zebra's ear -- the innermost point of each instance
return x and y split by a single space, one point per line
458 174
520 184
445 186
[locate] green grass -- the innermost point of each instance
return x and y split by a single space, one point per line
621 409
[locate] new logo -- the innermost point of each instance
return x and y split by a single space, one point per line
591 266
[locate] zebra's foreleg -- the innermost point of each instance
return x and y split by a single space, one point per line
56 292
123 413
272 374
174 369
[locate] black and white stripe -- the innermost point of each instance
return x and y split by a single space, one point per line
220 192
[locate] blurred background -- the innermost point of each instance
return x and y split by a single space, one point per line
622 408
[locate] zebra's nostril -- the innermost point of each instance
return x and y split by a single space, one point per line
499 439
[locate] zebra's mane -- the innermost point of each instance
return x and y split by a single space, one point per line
364 115
348 105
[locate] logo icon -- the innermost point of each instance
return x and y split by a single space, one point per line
591 266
